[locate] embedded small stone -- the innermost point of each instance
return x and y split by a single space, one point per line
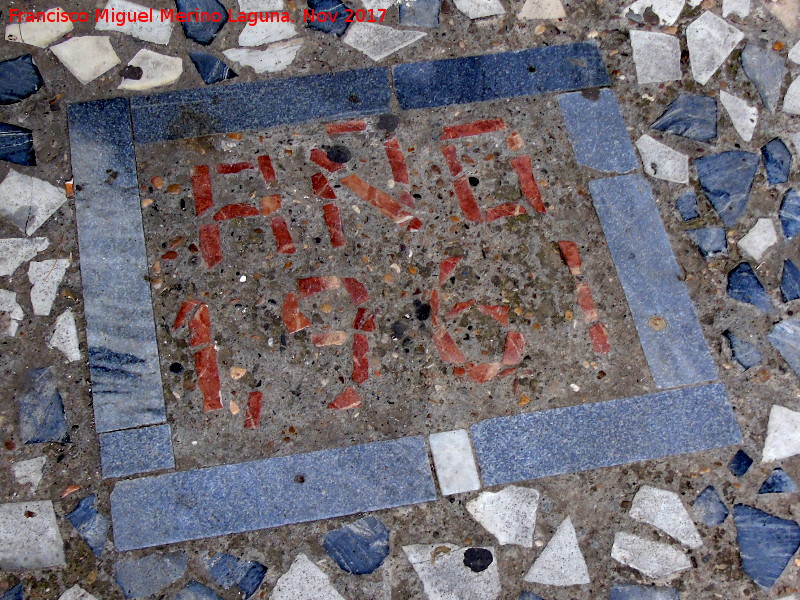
657 56
759 239
541 9
687 205
777 161
766 543
791 101
29 472
477 559
15 251
91 525
778 482
477 9
711 241
744 286
420 13
40 33
87 57
445 575
735 7
740 463
11 312
265 32
16 145
19 79
710 40
726 179
744 353
65 336
690 115
709 508
509 515
653 559
156 31
304 581
227 571
379 41
743 116
14 593
194 590
785 338
29 537
789 214
334 8
666 11
41 410
661 161
157 70
783 434
766 69
665 511
142 577
274 58
45 277
203 31
643 592
360 547
790 282
210 68
561 562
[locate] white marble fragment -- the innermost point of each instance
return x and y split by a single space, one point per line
157 70
76 592
65 336
156 32
791 101
304 581
657 56
379 41
664 510
561 562
653 559
29 537
509 515
710 40
45 276
444 576
738 7
694 3
29 472
759 239
87 57
661 161
667 10
541 9
783 434
39 33
274 58
786 11
794 53
379 4
476 9
10 313
15 251
28 201
264 32
743 116
454 461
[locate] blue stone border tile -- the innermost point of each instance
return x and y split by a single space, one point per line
134 451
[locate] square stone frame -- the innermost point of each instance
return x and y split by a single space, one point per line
690 414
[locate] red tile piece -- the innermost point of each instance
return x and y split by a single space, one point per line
483 372
321 187
396 160
252 416
505 210
448 351
406 199
183 312
200 327
293 319
334 223
360 358
345 127
320 157
473 128
233 211
497 311
586 303
356 289
205 364
209 245
414 225
269 204
522 165
329 338
571 256
230 168
507 372
599 337
469 206
515 348
314 285
451 159
283 239
459 371
347 399
171 255
265 166
364 321
446 268
457 309
201 189
387 205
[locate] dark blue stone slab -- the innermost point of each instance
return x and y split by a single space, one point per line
597 131
603 434
711 241
745 353
778 482
691 115
336 9
740 463
777 161
785 338
420 13
790 282
90 524
203 32
163 509
210 68
726 179
133 451
687 205
19 78
709 508
194 590
123 352
142 577
744 286
360 547
789 214
260 104
227 571
643 592
16 145
15 593
41 410
651 278
766 543
766 69
506 75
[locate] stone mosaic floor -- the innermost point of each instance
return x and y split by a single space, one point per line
480 301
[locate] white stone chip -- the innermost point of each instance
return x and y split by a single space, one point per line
87 57
29 537
710 40
15 251
509 515
541 9
65 336
275 58
157 70
665 511
738 7
794 53
76 592
45 276
157 32
29 472
28 201
791 101
10 313
476 9
759 239
304 581
444 576
783 434
653 559
454 461
743 116
657 56
667 10
786 11
265 32
661 161
561 562
39 33
379 41
379 5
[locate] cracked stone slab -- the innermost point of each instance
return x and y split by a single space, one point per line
15 251
29 537
664 510
657 56
509 515
541 9
668 11
761 237
445 575
561 562
157 31
29 472
65 336
264 32
28 201
270 60
379 41
304 581
477 9
653 559
783 434
11 313
661 161
766 69
743 116
45 277
87 57
40 34
158 70
710 40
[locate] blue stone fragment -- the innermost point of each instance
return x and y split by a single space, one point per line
253 577
790 282
740 463
332 7
91 525
691 115
777 161
726 179
211 69
19 78
709 508
778 483
16 145
745 353
420 13
789 214
142 577
360 547
227 571
195 590
528 595
766 69
41 410
766 543
785 338
132 451
744 286
710 240
203 32
15 593
643 592
687 205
